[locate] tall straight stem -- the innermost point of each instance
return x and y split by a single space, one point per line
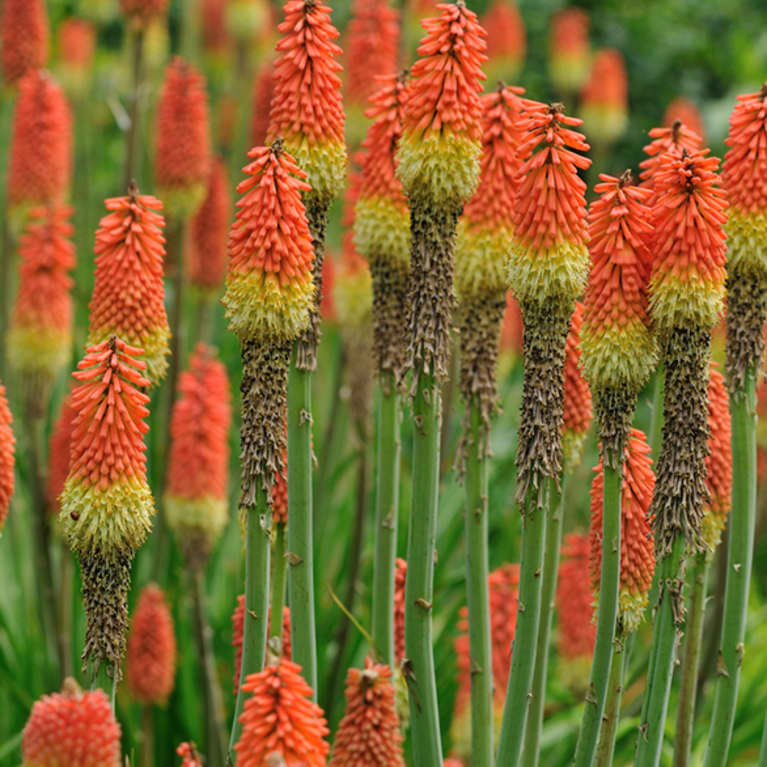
279 575
300 527
422 531
661 671
740 552
147 736
607 615
763 750
257 543
519 690
387 510
131 137
475 526
611 716
685 713
554 526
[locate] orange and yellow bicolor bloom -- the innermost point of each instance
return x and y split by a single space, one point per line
307 110
718 461
549 258
673 139
569 50
604 98
637 548
23 38
7 460
441 138
744 177
106 505
369 733
687 113
577 406
269 287
619 348
198 463
40 337
687 277
506 41
72 727
182 150
485 230
128 292
76 43
382 219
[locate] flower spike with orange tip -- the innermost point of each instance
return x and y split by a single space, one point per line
506 41
41 144
686 112
72 727
307 108
280 724
76 43
674 139
569 54
577 406
151 659
59 449
604 98
182 151
141 13
128 292
106 505
7 462
190 757
369 733
198 462
637 557
24 39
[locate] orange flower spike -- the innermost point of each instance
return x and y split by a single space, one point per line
182 152
76 42
485 230
549 258
151 664
59 449
41 143
577 411
687 113
189 755
142 12
637 554
196 501
674 139
24 38
369 733
718 462
280 720
128 292
307 109
400 575
263 92
506 41
215 35
604 98
441 134
206 261
687 278
269 287
619 349
106 505
569 54
7 461
40 337
72 727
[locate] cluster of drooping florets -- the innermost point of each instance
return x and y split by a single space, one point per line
7 444
506 41
674 139
190 757
577 406
604 98
24 37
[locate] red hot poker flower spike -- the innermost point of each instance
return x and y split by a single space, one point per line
72 728
506 41
76 42
262 99
182 152
142 12
369 734
128 292
151 664
400 575
577 396
675 139
189 755
24 38
569 54
280 724
637 554
7 444
686 113
59 449
307 109
604 99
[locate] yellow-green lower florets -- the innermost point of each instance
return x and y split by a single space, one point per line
481 261
324 165
747 242
382 230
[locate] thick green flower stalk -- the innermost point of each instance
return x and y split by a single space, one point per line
268 299
619 354
686 292
743 174
548 270
439 168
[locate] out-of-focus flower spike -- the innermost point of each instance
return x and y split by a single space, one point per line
577 409
7 460
190 757
24 38
569 50
263 92
76 43
59 450
141 13
687 113
215 35
506 41
604 98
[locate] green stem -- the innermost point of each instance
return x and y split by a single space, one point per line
763 750
607 615
611 716
147 736
685 714
480 650
279 576
661 671
6 278
424 713
739 558
519 690
554 527
257 542
387 501
300 527
131 137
